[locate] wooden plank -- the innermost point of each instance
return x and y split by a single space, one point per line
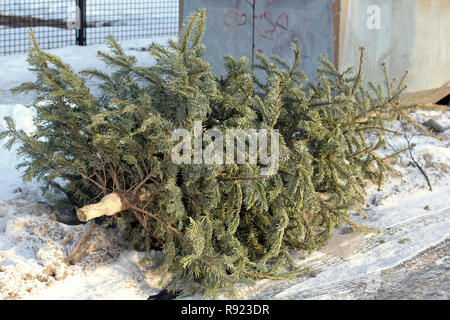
426 96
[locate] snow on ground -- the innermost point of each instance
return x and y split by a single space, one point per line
412 219
14 68
33 244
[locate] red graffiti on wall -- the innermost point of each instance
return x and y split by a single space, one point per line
234 18
265 25
282 23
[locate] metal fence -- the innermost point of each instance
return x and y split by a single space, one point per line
58 23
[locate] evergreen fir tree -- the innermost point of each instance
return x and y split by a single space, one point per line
217 225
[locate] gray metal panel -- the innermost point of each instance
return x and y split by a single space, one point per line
228 29
279 22
412 34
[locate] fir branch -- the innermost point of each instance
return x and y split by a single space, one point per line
416 164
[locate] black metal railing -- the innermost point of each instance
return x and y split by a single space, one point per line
58 23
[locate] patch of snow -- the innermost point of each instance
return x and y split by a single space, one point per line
14 68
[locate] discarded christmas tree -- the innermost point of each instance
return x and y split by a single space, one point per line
217 224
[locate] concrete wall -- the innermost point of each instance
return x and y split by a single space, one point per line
279 22
228 29
242 27
413 34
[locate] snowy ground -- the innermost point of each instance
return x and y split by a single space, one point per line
409 259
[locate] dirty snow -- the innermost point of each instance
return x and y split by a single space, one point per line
33 244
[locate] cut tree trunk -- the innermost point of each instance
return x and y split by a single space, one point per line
110 205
